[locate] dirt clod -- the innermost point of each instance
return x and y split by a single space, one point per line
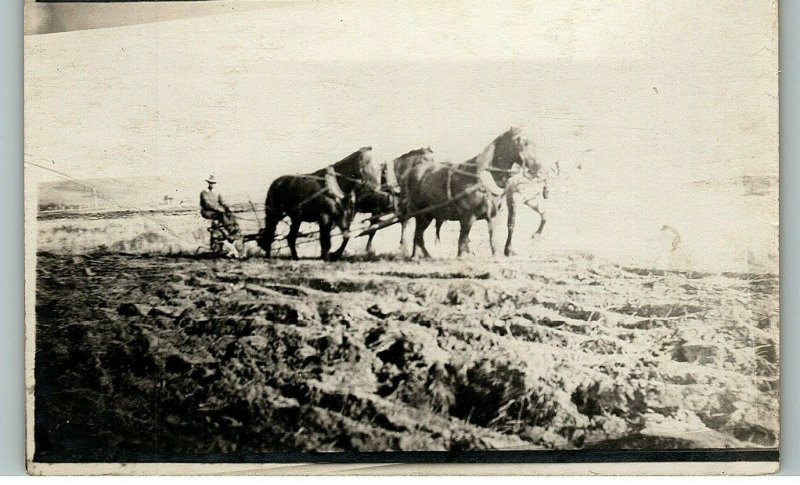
191 356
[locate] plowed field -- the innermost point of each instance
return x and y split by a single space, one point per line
167 354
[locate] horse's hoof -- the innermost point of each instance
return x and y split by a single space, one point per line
509 252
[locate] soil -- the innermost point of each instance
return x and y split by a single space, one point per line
142 357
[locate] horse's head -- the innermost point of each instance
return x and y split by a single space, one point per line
398 168
369 170
516 148
508 150
357 171
389 178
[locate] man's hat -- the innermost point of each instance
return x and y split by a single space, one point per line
211 179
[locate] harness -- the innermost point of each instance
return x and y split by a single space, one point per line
485 182
330 186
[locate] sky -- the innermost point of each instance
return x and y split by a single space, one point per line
648 98
48 17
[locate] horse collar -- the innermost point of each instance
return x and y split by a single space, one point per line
450 171
488 182
332 184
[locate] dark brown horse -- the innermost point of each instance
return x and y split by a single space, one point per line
468 191
377 203
402 166
391 199
326 197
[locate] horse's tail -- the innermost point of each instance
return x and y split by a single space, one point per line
439 224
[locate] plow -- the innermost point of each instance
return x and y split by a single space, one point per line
222 245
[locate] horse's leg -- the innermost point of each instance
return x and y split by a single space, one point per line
463 238
439 224
404 237
542 220
369 243
491 224
371 234
325 226
344 227
268 235
343 223
294 230
423 221
512 218
401 209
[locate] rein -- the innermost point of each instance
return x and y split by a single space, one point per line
453 168
304 201
488 169
325 189
338 175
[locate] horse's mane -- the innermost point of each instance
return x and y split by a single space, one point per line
484 159
353 156
418 151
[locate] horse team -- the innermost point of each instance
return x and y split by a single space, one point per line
414 186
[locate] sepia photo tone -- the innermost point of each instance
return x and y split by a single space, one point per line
415 232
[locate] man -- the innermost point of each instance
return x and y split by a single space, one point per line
211 204
214 208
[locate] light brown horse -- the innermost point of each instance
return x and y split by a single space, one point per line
469 191
326 197
532 191
377 203
402 167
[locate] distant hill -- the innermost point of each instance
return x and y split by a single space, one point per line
112 193
752 185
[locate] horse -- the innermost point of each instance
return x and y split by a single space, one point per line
534 191
326 197
402 166
391 198
377 203
468 191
